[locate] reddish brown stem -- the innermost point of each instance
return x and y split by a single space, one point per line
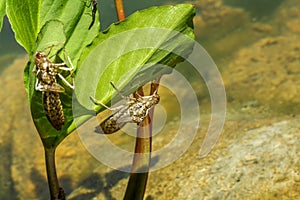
141 162
143 142
120 9
136 186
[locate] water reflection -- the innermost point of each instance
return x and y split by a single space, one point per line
257 8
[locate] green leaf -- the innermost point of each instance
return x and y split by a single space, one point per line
62 27
130 50
23 16
46 39
133 46
2 12
47 133
76 17
28 17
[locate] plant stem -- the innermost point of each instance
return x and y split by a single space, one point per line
56 192
120 10
139 174
136 186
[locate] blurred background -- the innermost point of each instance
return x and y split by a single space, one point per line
256 46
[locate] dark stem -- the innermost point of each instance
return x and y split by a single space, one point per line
139 174
136 186
56 192
120 10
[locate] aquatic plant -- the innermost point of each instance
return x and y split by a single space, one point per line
71 29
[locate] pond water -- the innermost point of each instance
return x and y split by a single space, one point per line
256 47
